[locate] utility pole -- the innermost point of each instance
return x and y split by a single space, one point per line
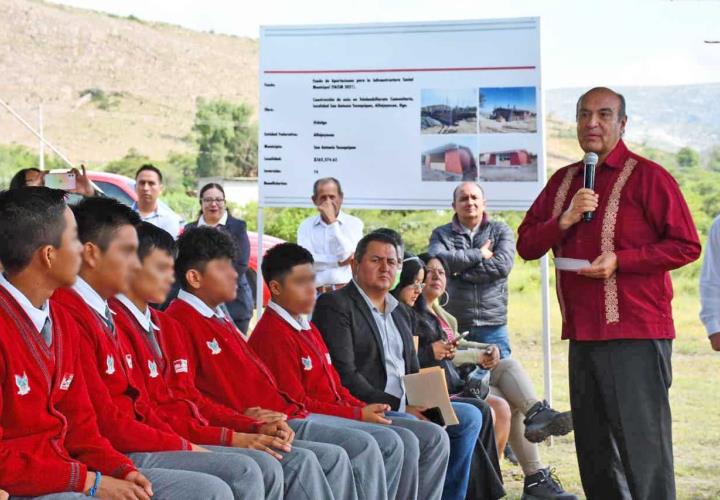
41 163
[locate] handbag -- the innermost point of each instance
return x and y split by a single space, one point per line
476 381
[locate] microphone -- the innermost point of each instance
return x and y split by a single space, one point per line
590 160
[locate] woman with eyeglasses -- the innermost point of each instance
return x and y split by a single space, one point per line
214 213
485 476
527 420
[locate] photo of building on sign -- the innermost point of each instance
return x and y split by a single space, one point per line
516 165
450 161
503 110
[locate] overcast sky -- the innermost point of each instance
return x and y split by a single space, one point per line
610 42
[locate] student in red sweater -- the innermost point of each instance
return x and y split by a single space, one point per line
227 371
109 257
156 357
49 440
293 349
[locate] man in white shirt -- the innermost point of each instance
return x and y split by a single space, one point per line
331 236
710 286
149 187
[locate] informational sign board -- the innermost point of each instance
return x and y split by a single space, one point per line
400 113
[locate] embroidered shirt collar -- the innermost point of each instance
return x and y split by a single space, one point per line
341 218
222 222
298 324
144 318
616 158
91 297
37 316
200 306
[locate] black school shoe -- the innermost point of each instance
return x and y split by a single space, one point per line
541 422
545 484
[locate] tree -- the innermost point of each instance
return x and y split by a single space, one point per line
226 138
687 157
714 160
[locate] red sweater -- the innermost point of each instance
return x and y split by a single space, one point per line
301 362
181 404
643 219
48 432
227 370
126 415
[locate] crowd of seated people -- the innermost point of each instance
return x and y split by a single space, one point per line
104 394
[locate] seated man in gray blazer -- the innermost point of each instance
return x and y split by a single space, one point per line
369 336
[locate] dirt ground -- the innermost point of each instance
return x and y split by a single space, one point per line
463 127
488 126
525 173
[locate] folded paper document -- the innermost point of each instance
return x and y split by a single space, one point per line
428 389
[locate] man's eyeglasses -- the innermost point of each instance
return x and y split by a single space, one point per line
209 201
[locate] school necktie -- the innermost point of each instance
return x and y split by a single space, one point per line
108 320
46 331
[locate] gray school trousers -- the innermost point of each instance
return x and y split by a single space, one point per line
366 459
390 444
431 446
168 485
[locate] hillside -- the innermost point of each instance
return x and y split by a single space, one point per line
149 75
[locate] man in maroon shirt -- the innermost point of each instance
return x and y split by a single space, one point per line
616 312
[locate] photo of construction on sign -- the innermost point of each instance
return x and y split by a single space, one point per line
448 111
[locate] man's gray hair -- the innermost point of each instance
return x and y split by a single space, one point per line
621 111
325 180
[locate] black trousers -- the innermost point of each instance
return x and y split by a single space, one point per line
485 477
621 413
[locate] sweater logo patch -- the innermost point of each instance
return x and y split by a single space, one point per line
110 362
152 368
22 384
66 381
307 363
214 347
328 358
180 365
128 360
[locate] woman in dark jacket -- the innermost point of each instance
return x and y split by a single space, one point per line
485 478
214 213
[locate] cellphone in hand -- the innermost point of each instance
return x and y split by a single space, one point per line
60 180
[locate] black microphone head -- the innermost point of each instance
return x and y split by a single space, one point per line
590 159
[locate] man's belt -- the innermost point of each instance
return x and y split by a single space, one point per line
330 288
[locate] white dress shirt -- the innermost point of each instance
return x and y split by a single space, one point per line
91 298
201 307
37 316
222 222
143 318
300 324
710 281
330 244
162 217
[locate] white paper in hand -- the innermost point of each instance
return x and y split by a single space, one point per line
565 264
